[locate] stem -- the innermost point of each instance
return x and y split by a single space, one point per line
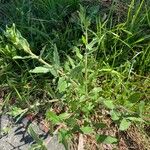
86 60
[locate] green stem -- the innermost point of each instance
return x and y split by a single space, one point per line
86 61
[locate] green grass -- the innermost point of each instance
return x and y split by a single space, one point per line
72 63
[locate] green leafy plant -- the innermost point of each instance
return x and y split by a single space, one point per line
82 72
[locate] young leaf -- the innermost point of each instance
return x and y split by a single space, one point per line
106 139
124 125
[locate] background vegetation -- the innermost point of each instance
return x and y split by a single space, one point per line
81 65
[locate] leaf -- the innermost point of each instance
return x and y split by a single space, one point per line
135 119
64 116
109 104
87 130
78 54
100 125
16 38
91 44
76 73
141 107
63 136
124 125
53 117
62 85
40 70
20 57
84 40
134 97
56 58
106 139
71 61
96 90
34 135
17 112
114 115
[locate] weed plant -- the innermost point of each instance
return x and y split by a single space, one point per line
72 65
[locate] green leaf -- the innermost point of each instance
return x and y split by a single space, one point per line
16 38
106 139
135 119
40 70
64 116
17 112
84 40
96 90
87 130
109 104
91 44
34 135
62 85
53 117
124 125
56 56
63 136
134 97
114 115
141 107
100 125
78 54
71 61
76 73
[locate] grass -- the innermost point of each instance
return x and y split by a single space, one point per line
81 66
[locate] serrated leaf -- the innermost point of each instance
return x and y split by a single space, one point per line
87 130
53 117
106 139
109 104
124 125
